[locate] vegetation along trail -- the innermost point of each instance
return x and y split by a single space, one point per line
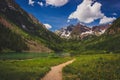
56 71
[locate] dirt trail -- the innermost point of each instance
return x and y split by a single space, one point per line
56 71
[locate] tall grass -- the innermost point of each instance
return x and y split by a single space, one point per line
23 55
94 67
30 67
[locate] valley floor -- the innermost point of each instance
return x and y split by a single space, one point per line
24 66
27 66
94 67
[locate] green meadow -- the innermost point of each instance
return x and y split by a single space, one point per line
29 66
94 67
33 66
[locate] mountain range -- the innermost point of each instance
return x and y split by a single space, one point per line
80 31
22 32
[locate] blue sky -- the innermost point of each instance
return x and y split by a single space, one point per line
60 13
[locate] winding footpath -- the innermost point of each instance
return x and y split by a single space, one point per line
56 71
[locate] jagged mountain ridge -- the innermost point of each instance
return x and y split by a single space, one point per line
81 31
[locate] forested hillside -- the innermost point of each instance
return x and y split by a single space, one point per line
109 42
32 33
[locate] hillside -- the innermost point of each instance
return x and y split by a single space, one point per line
109 42
16 22
21 31
115 28
105 43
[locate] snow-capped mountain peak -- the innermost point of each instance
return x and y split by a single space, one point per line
81 31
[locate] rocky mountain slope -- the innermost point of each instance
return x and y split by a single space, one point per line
80 31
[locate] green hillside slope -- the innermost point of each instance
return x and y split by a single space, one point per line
109 42
34 34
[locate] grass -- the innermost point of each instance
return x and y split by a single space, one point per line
27 68
94 67
28 55
21 56
33 66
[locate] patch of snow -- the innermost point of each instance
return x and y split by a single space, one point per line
65 34
87 32
102 32
23 26
68 34
86 27
11 7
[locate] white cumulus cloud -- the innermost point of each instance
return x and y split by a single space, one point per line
40 3
56 3
106 20
31 2
48 26
87 11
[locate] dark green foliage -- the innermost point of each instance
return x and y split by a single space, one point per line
11 40
109 43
